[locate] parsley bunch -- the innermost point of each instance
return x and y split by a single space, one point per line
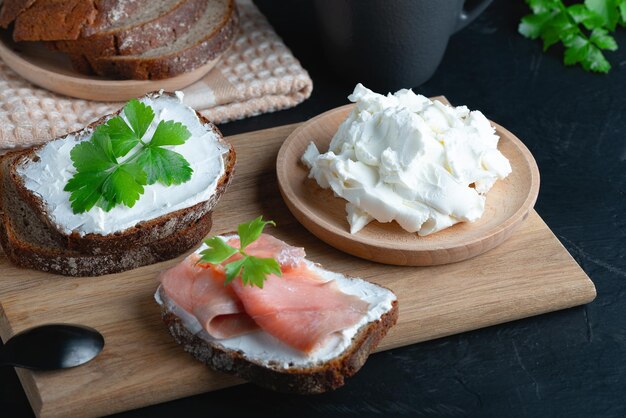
254 270
103 179
582 28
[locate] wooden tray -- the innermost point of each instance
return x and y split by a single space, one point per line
52 70
508 204
529 274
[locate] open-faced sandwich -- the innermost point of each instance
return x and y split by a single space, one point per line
131 189
251 305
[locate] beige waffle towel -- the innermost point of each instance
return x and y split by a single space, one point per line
257 75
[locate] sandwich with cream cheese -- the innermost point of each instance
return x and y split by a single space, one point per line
302 329
42 225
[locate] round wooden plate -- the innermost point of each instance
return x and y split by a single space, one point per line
508 204
52 70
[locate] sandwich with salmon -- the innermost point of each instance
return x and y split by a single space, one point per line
251 305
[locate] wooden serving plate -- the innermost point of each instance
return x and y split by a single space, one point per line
529 274
508 203
52 70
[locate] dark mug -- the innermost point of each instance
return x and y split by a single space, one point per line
390 44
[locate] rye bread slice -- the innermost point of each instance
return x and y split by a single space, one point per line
213 33
28 242
316 379
9 9
52 20
143 233
54 259
160 23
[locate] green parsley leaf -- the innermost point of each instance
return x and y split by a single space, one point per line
583 29
232 270
85 189
607 9
103 180
169 133
124 185
603 40
251 231
581 50
532 26
164 166
255 270
123 138
93 155
93 159
218 251
139 116
252 270
581 14
596 61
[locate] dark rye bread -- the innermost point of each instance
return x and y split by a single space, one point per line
54 259
143 233
160 23
9 9
312 380
51 20
30 243
205 40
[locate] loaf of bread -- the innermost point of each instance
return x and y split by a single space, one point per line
205 40
158 24
124 39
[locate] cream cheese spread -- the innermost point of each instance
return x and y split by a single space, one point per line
47 176
262 348
405 158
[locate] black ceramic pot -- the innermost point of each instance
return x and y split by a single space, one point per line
389 44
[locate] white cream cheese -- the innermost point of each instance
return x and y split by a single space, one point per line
48 176
408 159
262 348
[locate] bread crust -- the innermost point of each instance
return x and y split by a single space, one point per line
312 380
144 232
75 264
170 65
135 39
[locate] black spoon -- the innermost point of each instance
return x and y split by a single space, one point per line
51 347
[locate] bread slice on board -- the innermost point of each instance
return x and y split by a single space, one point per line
213 33
317 376
158 24
29 243
31 238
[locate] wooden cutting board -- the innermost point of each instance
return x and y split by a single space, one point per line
529 274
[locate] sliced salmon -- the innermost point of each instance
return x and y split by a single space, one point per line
300 308
201 292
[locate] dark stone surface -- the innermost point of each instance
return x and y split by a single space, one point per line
568 363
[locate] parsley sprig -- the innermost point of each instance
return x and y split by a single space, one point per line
104 179
583 29
253 270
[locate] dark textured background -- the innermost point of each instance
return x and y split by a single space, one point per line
568 363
